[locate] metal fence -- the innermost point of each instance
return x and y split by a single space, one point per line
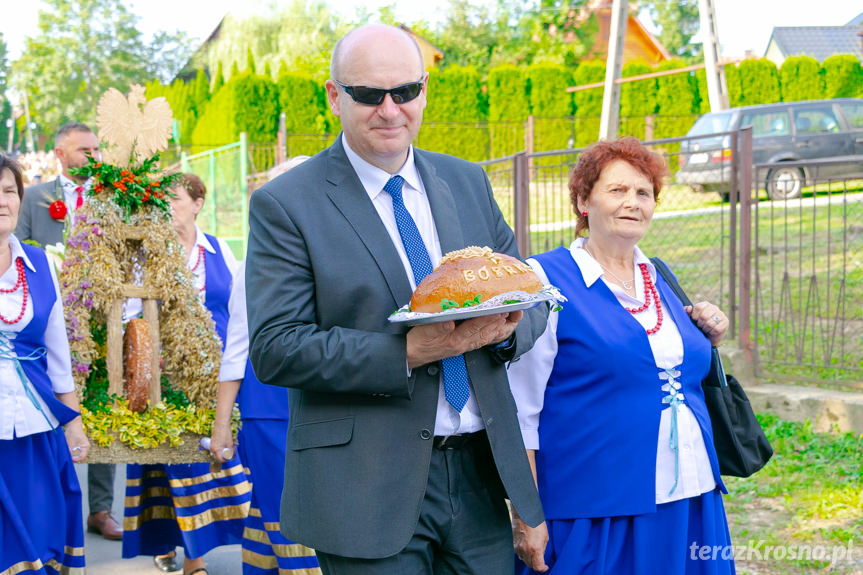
788 273
807 275
225 171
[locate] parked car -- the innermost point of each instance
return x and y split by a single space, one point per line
784 132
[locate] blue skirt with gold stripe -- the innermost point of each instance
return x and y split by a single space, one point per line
265 550
195 506
41 527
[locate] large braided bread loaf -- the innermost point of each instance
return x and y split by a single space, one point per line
472 275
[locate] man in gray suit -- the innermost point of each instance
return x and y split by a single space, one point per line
403 443
74 143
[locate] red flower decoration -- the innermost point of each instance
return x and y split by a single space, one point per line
57 210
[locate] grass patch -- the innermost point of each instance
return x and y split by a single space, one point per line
809 494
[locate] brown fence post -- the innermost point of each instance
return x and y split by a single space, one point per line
282 146
529 133
521 184
746 201
648 127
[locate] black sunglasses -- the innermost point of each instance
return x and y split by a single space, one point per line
369 96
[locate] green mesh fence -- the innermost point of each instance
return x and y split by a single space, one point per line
225 172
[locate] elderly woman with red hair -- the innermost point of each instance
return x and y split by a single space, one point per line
41 527
610 399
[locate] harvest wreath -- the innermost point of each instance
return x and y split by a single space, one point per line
122 236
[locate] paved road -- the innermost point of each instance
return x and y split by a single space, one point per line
103 556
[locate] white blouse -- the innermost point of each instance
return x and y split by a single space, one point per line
19 417
529 375
132 307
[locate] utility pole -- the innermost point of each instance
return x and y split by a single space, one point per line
610 120
717 89
29 123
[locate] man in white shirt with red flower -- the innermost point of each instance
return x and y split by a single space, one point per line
44 212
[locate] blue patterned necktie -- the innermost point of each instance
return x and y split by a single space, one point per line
455 379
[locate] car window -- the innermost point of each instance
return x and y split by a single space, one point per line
854 114
710 124
813 120
767 124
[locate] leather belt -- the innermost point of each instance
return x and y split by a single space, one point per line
459 440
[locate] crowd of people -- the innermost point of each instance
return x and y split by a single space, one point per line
535 441
37 167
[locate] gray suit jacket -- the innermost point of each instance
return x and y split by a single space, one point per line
34 221
322 276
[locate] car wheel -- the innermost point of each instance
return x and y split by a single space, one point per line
784 183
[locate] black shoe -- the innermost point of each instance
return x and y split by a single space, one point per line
167 563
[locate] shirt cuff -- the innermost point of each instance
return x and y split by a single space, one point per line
531 438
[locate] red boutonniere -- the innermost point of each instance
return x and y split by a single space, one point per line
57 210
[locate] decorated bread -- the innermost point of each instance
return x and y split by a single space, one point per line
471 276
137 356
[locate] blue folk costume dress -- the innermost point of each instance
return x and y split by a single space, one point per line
262 443
189 505
41 526
597 457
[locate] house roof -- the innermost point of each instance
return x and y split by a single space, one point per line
820 42
856 21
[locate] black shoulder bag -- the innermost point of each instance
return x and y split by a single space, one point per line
740 443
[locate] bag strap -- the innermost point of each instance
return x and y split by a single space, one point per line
716 360
672 282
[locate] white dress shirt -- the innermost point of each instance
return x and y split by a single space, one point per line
70 195
237 339
529 376
18 416
373 179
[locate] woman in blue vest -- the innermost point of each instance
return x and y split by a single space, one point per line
41 527
190 505
610 399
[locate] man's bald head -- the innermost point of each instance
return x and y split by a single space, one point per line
360 38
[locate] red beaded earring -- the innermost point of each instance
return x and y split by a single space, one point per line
584 213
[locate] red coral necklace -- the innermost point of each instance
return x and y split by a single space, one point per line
22 282
197 263
650 293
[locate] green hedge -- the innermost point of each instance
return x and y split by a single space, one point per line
247 103
455 95
551 106
588 103
800 79
676 97
508 109
637 100
843 76
759 80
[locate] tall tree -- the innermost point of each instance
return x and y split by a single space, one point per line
678 23
5 107
83 48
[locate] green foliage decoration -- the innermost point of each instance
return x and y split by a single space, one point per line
800 79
